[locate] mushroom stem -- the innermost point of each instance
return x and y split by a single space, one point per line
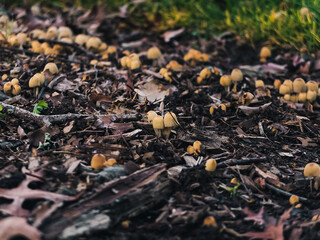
36 91
158 132
227 88
166 132
234 87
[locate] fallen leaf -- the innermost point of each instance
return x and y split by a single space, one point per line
152 92
11 227
172 34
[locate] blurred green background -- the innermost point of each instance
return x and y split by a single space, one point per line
291 23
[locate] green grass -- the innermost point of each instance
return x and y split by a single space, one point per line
277 22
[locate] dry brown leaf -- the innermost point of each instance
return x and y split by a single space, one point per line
11 227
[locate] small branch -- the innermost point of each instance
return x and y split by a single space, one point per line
244 161
285 193
47 120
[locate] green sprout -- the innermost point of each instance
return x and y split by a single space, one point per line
47 142
231 190
40 106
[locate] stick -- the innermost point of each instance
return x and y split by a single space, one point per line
285 193
47 120
244 161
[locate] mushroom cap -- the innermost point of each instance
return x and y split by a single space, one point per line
16 89
123 61
223 107
112 49
93 43
37 80
81 39
212 108
225 80
293 98
103 46
277 84
311 170
190 149
299 85
304 11
248 96
170 120
265 52
174 65
66 40
135 64
312 85
197 146
311 96
13 40
36 33
205 73
163 71
64 32
302 97
158 122
52 32
284 89
22 38
7 88
97 161
110 162
293 199
153 53
236 75
14 81
52 67
259 83
211 165
288 83
151 115
131 58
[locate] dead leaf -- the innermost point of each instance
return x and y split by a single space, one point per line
256 217
152 92
21 193
108 123
11 227
253 110
68 128
172 34
21 132
307 142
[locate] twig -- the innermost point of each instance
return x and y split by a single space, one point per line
47 120
244 161
285 193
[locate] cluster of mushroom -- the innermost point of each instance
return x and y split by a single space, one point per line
195 149
235 77
213 108
193 56
132 61
37 80
162 126
204 74
172 66
298 90
12 87
98 161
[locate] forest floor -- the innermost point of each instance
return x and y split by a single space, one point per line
156 189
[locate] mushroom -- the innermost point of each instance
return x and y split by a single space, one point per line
293 199
211 165
277 84
174 65
36 82
110 162
190 149
14 81
302 97
7 88
98 161
158 125
205 73
236 76
259 83
197 147
287 97
64 32
133 58
81 39
135 64
123 61
153 53
22 39
170 121
294 98
311 170
299 85
247 98
103 46
210 221
234 181
93 43
16 89
52 32
311 96
288 83
151 115
112 49
212 108
52 68
312 85
264 54
284 89
226 81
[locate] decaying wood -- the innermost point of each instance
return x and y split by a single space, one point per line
117 199
244 161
